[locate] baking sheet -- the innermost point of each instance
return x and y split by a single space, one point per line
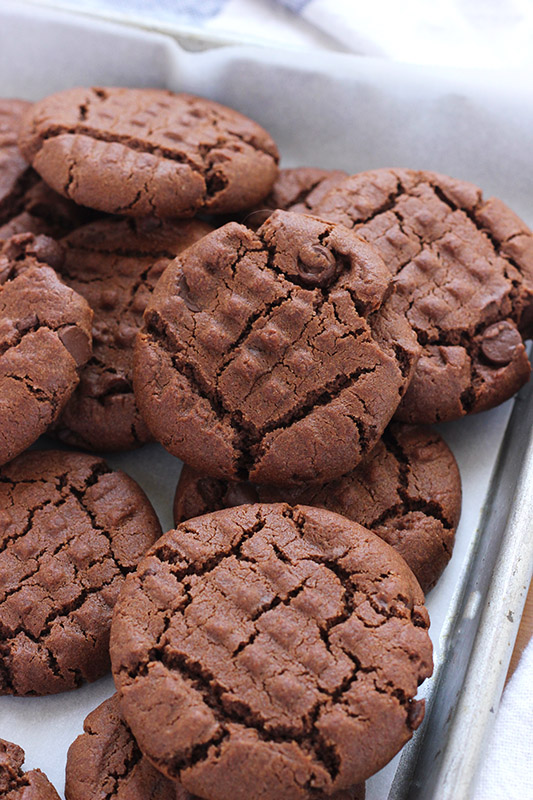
324 110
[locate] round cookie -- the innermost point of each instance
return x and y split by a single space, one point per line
18 785
407 491
115 264
464 280
45 337
148 152
71 529
286 642
273 356
106 759
299 189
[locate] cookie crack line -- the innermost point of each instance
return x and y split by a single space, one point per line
252 439
137 145
321 396
430 509
390 205
228 709
97 471
496 244
241 714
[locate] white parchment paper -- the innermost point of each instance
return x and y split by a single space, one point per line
323 110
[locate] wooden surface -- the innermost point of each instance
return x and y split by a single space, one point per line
525 632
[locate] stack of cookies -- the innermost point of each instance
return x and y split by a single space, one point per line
289 336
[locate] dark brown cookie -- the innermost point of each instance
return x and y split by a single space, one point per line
16 176
43 211
273 356
464 280
18 785
148 151
27 204
45 337
274 641
105 762
299 189
115 264
407 491
70 531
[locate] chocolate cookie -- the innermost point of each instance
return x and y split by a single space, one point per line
407 491
274 641
115 264
464 280
273 356
16 176
18 785
70 531
299 189
105 762
148 151
45 337
43 211
27 204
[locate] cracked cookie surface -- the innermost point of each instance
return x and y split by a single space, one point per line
298 189
18 785
464 280
27 204
407 491
105 762
273 356
16 175
115 264
71 529
45 337
148 151
271 640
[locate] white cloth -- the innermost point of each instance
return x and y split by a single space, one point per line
507 769
473 33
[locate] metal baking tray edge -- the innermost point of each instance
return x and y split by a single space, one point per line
441 761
